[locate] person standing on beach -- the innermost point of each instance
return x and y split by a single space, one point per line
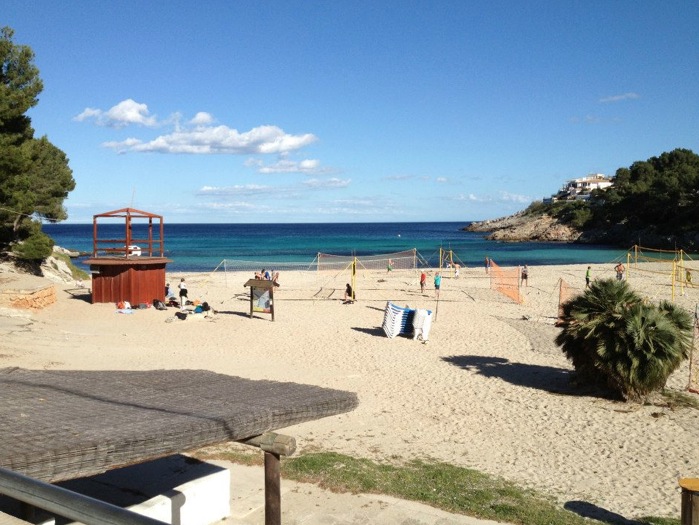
423 282
588 276
619 269
487 264
437 283
183 293
525 276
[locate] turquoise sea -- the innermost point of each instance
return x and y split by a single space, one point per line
203 247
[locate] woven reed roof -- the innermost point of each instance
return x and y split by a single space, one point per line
59 425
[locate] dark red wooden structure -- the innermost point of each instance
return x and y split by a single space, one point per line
129 268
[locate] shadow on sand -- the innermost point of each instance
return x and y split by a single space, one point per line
588 510
377 332
547 378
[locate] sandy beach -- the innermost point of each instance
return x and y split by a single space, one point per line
490 390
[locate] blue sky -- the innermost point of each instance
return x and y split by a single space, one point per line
361 111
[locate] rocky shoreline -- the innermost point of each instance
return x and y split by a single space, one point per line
520 227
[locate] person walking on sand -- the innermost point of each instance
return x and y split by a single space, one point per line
183 293
487 264
423 281
525 276
437 284
588 276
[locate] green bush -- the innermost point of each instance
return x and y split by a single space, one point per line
37 247
615 339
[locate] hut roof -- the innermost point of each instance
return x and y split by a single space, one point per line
128 212
63 424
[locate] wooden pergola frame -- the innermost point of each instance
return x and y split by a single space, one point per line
155 247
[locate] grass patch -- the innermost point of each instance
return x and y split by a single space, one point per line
76 273
675 399
453 489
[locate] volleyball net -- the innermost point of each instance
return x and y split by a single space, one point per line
668 268
505 281
405 260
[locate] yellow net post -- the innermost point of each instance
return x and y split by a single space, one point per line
674 264
628 263
354 278
693 385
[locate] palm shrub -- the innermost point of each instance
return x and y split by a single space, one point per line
615 339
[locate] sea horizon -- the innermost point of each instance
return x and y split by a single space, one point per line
202 247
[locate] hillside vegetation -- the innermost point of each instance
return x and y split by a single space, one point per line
653 202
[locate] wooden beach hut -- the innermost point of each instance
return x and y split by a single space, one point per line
130 265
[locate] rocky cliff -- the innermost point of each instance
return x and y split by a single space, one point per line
520 227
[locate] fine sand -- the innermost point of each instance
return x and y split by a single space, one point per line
489 391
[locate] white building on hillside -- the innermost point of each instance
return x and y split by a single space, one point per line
580 189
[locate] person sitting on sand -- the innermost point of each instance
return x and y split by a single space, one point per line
349 294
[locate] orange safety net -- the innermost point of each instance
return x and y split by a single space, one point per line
505 281
565 293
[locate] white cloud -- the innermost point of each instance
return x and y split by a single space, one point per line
327 183
201 119
619 98
307 166
442 180
472 197
513 197
219 140
199 136
239 189
503 196
123 114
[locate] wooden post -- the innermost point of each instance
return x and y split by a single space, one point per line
690 501
273 494
273 445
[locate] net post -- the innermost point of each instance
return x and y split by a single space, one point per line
354 277
628 265
674 269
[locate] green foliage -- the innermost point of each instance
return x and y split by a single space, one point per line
615 339
576 213
441 485
658 196
34 175
36 245
661 193
537 208
75 272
